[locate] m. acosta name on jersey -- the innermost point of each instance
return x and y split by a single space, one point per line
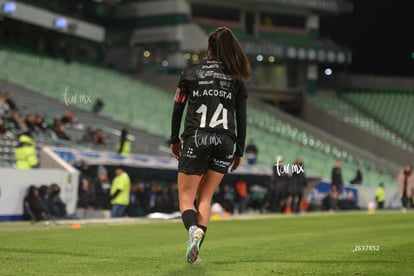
212 93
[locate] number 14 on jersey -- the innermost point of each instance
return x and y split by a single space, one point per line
215 119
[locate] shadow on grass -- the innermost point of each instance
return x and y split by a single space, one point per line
196 269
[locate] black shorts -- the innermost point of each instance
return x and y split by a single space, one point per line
206 151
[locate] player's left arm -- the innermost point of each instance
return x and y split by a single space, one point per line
241 115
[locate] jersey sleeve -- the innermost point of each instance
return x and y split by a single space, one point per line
180 99
241 115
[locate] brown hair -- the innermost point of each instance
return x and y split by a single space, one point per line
226 48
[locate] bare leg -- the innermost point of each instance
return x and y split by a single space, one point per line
206 189
187 190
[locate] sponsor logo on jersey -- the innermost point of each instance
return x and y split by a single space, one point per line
211 66
201 74
190 153
225 84
221 163
205 82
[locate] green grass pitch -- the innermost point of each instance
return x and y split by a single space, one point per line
354 243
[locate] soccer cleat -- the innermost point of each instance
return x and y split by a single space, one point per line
197 261
196 235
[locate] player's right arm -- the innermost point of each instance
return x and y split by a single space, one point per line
180 99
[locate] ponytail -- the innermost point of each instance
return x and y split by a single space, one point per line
225 47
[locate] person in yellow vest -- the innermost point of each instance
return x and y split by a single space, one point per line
25 152
119 192
380 196
123 146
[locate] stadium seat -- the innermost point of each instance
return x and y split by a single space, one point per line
353 116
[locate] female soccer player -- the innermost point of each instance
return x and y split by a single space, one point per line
215 121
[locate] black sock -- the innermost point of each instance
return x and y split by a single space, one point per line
204 228
189 218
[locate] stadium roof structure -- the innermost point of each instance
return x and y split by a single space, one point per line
290 46
321 6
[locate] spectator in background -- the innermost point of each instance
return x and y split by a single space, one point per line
257 197
16 122
380 196
278 187
34 207
242 195
174 195
5 133
85 172
225 197
405 186
123 146
167 205
336 176
4 105
98 106
88 136
348 203
102 188
155 199
98 137
9 100
297 186
330 202
140 205
25 152
85 199
68 118
41 124
30 122
358 177
60 132
119 193
56 205
251 153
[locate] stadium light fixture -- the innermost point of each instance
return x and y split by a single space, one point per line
164 63
195 58
8 7
60 23
328 72
259 58
271 59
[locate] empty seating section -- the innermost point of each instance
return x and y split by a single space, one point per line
275 137
148 108
392 108
125 100
352 115
6 152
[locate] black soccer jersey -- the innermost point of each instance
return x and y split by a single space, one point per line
216 103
